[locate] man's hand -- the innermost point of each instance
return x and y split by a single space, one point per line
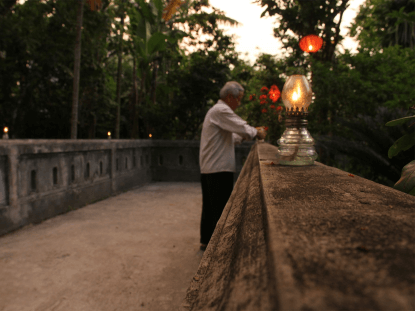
261 132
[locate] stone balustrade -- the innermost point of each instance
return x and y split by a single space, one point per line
40 179
308 238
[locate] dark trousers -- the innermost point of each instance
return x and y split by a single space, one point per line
216 190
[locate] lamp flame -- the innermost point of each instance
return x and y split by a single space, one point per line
6 129
109 133
150 135
295 96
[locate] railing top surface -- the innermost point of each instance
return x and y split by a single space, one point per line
68 145
328 241
347 241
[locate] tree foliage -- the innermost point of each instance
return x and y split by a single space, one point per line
383 23
36 74
298 18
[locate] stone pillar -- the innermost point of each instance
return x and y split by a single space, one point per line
113 161
12 164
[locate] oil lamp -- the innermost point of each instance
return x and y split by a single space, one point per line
109 135
6 135
296 146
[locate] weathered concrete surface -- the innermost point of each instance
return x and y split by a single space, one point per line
233 274
347 241
135 251
333 242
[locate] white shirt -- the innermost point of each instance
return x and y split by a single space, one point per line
222 129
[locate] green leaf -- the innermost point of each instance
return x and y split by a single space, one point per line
399 121
141 48
145 11
402 144
176 35
407 181
156 43
159 6
154 12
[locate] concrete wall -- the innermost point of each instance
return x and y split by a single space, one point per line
40 179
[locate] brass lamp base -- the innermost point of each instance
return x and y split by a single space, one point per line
296 146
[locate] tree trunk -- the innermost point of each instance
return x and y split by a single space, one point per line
141 99
117 122
154 84
76 71
133 104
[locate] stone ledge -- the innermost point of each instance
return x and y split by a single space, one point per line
332 242
34 146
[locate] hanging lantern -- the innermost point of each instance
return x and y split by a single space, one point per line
311 43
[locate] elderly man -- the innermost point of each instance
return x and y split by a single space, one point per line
222 129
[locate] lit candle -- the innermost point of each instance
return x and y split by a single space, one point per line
150 135
6 135
109 135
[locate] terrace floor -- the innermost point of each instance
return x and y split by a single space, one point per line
135 251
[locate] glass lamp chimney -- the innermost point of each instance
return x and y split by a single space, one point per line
296 146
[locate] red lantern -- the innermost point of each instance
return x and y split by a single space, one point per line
311 43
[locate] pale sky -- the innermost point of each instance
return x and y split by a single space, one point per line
258 32
255 34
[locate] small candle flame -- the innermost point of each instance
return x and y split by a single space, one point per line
150 135
109 133
6 129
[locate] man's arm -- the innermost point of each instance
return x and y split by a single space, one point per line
227 120
237 139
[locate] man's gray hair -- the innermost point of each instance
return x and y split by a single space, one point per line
233 88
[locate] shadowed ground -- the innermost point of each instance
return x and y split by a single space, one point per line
135 251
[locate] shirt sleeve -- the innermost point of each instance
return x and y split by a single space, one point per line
237 139
227 120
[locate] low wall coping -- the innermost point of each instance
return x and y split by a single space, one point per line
33 146
308 238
